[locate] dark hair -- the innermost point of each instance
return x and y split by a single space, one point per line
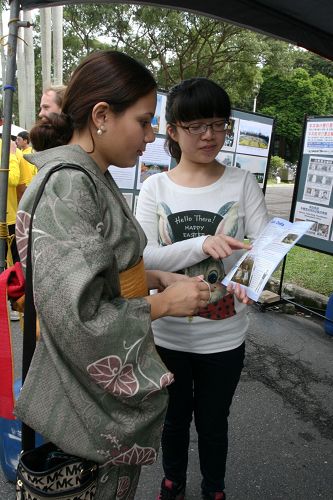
48 133
193 99
24 135
104 76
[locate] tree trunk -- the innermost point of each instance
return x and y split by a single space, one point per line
45 29
21 77
57 21
30 107
3 62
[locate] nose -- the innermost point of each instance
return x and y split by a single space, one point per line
209 132
150 135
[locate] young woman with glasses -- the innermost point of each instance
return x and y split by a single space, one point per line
195 218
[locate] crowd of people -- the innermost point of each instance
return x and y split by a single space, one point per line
116 363
21 172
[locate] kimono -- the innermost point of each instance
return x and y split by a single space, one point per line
96 386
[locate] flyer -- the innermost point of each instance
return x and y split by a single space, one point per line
256 266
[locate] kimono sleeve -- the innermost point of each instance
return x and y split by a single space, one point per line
75 277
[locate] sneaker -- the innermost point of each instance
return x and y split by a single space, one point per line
218 495
13 315
171 490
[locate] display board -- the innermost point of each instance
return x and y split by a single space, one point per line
313 198
247 145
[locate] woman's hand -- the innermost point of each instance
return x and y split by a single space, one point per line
221 246
239 292
160 280
182 298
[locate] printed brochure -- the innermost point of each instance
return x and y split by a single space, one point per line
255 267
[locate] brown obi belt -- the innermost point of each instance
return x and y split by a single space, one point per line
133 282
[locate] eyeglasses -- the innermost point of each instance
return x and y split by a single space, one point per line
201 128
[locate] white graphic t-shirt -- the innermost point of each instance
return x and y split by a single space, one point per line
177 220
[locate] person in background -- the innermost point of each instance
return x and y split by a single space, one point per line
51 101
96 387
13 182
195 218
27 169
22 142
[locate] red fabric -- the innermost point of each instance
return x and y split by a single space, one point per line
11 286
224 308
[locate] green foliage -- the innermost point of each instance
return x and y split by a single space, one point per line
288 97
276 162
178 44
174 45
309 269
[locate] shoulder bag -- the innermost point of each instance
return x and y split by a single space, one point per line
47 471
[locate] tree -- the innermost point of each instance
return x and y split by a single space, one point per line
289 98
174 45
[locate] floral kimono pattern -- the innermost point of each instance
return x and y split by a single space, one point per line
96 385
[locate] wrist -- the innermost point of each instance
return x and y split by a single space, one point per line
153 279
159 305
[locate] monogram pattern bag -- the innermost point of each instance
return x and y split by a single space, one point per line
48 472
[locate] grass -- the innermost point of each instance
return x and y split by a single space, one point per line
308 269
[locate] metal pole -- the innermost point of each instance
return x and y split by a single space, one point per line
8 105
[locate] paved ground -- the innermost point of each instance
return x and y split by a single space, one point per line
278 199
281 425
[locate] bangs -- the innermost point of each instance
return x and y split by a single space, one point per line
199 99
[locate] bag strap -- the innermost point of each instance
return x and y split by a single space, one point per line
30 317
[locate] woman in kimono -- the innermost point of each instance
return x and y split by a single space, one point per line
96 386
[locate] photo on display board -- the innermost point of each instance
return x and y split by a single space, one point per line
146 169
225 158
123 177
254 138
129 198
230 140
320 216
158 121
319 180
255 164
154 160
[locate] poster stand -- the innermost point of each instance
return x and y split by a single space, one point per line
313 196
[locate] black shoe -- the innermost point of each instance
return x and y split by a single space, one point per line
171 490
218 495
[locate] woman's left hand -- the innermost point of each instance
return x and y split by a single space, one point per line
239 292
160 280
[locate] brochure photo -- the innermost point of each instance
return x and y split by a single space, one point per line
255 267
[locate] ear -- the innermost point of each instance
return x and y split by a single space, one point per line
172 132
99 114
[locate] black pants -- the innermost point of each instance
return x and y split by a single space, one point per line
204 385
15 254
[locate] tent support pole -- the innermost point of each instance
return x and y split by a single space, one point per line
7 115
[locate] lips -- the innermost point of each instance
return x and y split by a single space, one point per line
209 149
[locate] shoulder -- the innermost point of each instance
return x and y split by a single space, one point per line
154 181
241 176
236 173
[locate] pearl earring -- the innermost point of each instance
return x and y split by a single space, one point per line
100 130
